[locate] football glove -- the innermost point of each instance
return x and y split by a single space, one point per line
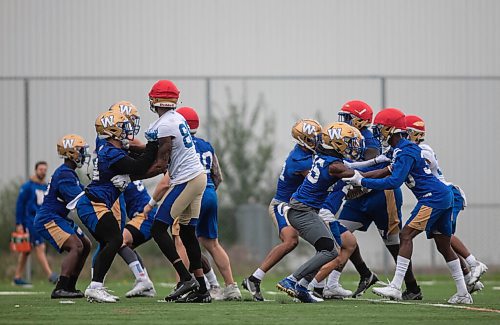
355 180
121 182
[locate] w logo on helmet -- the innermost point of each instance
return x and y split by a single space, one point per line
308 128
68 143
125 109
335 133
108 121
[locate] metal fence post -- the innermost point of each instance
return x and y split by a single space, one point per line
27 153
209 109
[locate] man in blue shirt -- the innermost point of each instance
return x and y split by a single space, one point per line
433 211
28 202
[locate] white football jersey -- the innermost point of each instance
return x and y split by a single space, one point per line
184 163
429 155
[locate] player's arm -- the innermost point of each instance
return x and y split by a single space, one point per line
379 173
216 172
21 207
160 165
136 146
339 170
69 189
303 173
367 163
399 172
136 167
370 153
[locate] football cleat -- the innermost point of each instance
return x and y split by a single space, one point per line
79 294
408 295
457 299
195 297
183 288
254 288
336 292
477 271
364 284
53 278
110 292
317 292
140 287
304 295
390 292
61 293
99 295
216 293
22 283
478 286
231 292
287 285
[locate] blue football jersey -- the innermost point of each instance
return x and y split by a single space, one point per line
101 187
333 201
30 199
136 197
370 140
410 167
291 178
314 189
206 154
64 186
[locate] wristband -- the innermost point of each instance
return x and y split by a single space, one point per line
152 202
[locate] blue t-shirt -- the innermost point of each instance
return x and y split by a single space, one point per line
314 189
291 178
206 154
29 201
64 187
410 167
101 186
136 197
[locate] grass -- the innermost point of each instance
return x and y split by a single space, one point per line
37 308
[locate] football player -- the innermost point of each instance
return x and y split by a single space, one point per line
416 133
338 141
207 227
95 206
432 212
298 163
52 221
182 196
383 208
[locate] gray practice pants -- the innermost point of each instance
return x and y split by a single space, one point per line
313 229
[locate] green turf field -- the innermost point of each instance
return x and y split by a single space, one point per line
33 306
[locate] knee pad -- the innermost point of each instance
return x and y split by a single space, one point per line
324 244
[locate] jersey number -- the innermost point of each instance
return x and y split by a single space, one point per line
314 173
95 170
186 136
206 160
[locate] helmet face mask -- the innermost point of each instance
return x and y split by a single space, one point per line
416 136
73 147
352 120
344 139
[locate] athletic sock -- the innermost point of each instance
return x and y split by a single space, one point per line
95 285
401 268
212 278
363 270
458 276
467 277
62 283
180 268
138 271
471 260
72 283
333 279
145 271
203 286
259 274
303 282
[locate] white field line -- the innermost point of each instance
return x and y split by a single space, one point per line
383 301
20 293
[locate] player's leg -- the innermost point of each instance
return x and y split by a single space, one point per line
87 245
41 255
21 266
74 248
289 240
181 250
313 230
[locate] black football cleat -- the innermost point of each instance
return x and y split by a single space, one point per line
254 288
63 294
183 288
409 295
364 284
195 297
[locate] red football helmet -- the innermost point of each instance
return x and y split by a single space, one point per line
164 93
356 113
415 127
388 122
191 117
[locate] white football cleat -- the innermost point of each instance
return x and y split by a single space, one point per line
457 299
231 292
216 293
336 292
389 291
476 272
98 295
110 292
478 286
140 287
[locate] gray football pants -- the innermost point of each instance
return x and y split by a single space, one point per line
312 228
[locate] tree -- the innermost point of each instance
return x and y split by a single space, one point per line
244 145
8 197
